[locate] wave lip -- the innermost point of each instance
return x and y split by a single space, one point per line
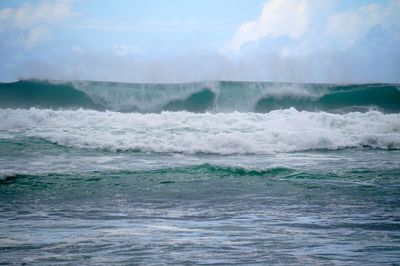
183 132
200 97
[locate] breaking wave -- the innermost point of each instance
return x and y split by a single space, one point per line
199 97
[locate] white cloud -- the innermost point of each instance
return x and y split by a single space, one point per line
123 50
351 25
37 35
34 22
77 50
311 24
278 18
5 13
146 25
27 15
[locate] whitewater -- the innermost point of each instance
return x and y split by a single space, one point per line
183 132
213 172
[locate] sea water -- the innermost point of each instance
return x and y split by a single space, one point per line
199 173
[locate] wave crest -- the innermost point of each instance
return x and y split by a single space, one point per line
218 96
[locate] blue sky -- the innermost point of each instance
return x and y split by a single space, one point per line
188 40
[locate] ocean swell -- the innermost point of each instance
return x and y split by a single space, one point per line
200 97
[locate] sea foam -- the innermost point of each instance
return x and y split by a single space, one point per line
221 133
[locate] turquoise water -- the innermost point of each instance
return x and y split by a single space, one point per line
212 96
290 185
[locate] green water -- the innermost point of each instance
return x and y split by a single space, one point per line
208 173
99 207
217 96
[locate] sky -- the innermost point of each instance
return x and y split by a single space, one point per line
191 40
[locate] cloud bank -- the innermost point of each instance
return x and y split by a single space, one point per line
313 24
295 41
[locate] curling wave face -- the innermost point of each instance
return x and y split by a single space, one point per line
199 97
221 133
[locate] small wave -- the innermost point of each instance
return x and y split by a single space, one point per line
197 170
221 170
244 171
11 177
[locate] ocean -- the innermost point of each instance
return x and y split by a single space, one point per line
210 173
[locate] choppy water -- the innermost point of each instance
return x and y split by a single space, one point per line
275 187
